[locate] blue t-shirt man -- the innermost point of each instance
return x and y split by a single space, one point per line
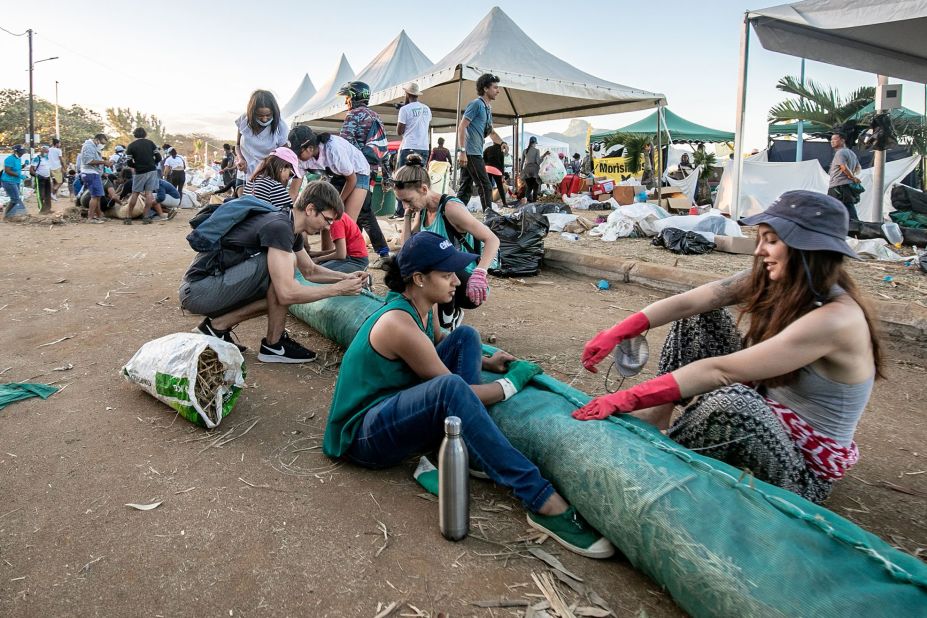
480 117
16 165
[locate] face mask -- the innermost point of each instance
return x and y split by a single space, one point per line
267 123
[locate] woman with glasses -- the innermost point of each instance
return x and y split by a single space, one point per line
445 215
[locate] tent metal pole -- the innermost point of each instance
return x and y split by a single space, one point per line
878 172
457 130
738 163
801 123
659 169
516 148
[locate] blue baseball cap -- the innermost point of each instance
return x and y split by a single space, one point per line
428 251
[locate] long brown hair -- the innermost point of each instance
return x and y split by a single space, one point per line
773 305
271 166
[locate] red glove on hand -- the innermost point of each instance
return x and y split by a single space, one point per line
477 286
602 344
663 389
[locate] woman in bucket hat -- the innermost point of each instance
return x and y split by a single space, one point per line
784 401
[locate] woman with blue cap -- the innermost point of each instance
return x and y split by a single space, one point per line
401 377
785 401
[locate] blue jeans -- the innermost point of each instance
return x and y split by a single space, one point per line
403 155
412 422
16 206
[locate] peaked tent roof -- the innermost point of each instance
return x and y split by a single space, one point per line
679 129
536 85
878 36
395 65
302 95
900 113
342 73
791 128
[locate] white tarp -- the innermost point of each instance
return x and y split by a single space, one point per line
689 184
300 97
762 182
877 36
537 85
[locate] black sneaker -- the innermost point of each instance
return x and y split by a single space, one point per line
207 328
285 351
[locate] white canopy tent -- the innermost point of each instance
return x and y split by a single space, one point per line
342 73
395 65
300 97
544 143
880 36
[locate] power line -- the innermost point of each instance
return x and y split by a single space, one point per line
13 33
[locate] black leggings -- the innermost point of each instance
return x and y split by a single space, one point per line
178 178
531 189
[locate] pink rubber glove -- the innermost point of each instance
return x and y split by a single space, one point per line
663 389
477 286
602 344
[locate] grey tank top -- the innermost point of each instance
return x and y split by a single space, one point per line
831 408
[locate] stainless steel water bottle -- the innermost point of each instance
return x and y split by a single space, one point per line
453 483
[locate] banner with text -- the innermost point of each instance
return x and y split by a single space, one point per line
616 168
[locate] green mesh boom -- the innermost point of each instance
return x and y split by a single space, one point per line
721 542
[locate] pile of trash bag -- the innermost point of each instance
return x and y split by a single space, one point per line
686 243
521 236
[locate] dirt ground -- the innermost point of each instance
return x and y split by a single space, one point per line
265 524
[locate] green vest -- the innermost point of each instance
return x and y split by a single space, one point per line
366 378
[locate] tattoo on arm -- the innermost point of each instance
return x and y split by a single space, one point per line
728 291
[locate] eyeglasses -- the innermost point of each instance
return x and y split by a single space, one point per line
402 184
328 220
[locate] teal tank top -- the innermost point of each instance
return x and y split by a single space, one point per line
439 226
366 378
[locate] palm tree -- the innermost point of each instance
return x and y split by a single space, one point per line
633 148
818 104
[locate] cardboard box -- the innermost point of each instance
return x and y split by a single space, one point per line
678 203
743 245
603 197
623 195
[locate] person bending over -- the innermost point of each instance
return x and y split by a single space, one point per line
253 274
401 377
446 216
786 405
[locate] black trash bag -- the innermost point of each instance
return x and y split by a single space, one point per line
906 198
687 243
922 262
521 238
546 208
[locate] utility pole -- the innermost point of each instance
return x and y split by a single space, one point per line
57 125
31 106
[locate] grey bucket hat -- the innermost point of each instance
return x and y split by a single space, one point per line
809 221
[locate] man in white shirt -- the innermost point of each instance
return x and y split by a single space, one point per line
91 163
414 120
55 167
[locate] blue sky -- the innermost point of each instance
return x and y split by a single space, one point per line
195 65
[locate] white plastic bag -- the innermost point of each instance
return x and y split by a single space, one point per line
558 220
552 170
197 375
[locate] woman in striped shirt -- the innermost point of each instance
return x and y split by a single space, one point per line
270 179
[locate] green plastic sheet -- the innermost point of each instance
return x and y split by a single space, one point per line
10 393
